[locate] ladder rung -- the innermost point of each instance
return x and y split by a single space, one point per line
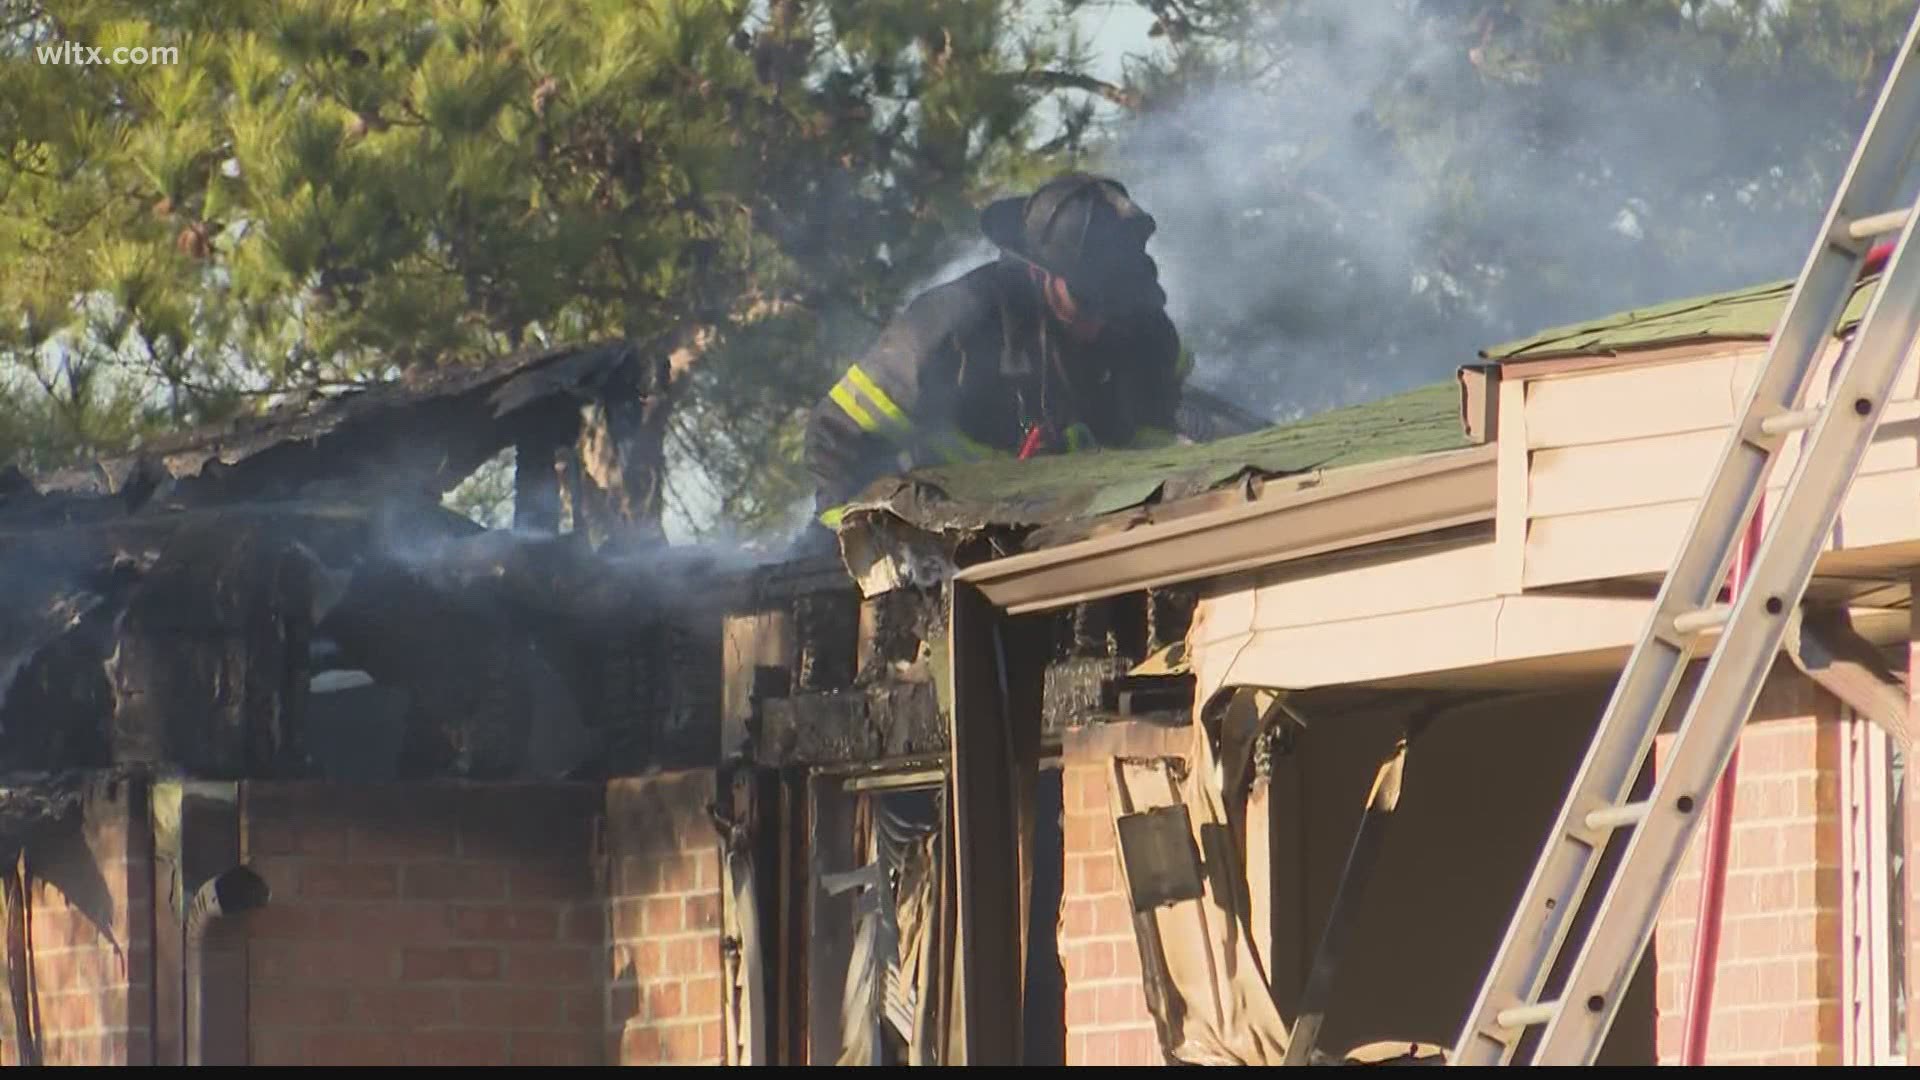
1702 620
1877 224
1613 817
1790 420
1527 1015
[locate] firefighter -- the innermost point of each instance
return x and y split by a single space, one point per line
1061 344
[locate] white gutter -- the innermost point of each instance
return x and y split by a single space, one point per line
1292 519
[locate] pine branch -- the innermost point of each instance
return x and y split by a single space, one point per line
1069 80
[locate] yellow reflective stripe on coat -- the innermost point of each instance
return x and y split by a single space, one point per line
863 383
843 397
1183 367
831 516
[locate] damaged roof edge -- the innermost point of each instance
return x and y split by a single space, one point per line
1307 516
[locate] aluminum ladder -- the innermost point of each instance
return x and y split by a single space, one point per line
1750 628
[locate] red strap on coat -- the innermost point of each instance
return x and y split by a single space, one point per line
1032 446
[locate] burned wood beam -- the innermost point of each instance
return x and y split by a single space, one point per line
1362 859
209 657
888 721
421 434
1823 644
994 730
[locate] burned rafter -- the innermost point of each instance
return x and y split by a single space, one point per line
298 573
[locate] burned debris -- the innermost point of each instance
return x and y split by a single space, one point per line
287 597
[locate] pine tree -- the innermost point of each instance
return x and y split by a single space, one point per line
321 194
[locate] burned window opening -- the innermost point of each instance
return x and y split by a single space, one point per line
288 595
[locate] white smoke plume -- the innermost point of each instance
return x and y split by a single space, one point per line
1396 195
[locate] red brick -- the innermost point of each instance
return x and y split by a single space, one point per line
276 1047
1087 789
322 961
1771 891
1112 916
636 874
696 831
706 864
349 881
664 1003
585 923
691 956
457 1048
627 919
1126 959
1078 835
1099 959
1757 848
680 1043
1752 1030
455 881
663 916
273 836
553 880
1120 1004
401 924
297 1006
315 837
649 959
507 1007
711 1042
702 913
58 926
407 1008
522 922
539 1048
640 1045
586 1009
357 1048
550 965
1083 1007
1673 943
287 922
704 996
423 839
1076 919
1140 1047
1799 847
1099 875
471 962
75 969
676 874
77 1011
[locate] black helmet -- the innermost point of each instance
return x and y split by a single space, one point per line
1087 230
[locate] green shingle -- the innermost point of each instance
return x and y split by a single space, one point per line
1741 315
1061 488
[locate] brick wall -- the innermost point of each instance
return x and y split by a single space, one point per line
90 924
423 924
662 868
1107 1018
1776 994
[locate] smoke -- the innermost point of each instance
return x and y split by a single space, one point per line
1397 194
